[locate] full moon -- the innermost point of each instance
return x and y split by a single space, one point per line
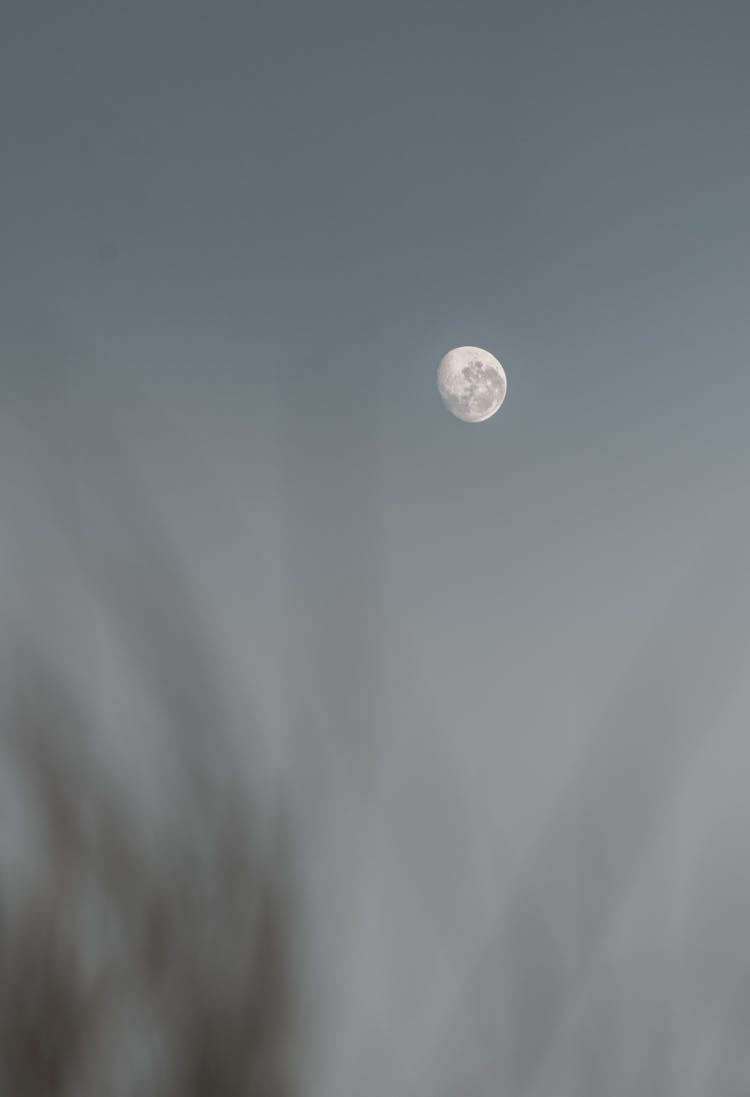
472 384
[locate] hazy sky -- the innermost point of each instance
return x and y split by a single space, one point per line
250 231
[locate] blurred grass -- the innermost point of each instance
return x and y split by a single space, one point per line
137 962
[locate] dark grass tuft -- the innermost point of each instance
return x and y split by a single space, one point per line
137 960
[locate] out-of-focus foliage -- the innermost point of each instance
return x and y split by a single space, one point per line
135 956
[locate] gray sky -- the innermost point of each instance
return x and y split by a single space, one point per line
249 232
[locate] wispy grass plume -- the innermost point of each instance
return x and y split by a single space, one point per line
144 944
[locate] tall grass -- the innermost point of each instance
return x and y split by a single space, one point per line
136 956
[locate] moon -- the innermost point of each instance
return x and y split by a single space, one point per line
472 384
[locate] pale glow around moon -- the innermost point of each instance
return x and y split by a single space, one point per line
472 384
